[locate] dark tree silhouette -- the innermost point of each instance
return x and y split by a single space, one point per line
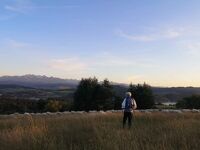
90 95
192 102
143 95
84 95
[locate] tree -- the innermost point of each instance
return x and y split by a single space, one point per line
191 102
107 95
106 83
41 105
90 95
132 89
84 95
117 102
143 95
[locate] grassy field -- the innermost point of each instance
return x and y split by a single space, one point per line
150 131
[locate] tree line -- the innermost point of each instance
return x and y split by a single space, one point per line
10 105
191 102
92 95
89 95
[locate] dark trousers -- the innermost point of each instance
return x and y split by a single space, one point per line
127 115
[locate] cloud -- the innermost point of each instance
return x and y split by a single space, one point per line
55 7
16 44
68 64
192 48
158 35
136 78
144 38
14 8
109 60
24 6
19 6
100 65
112 62
171 34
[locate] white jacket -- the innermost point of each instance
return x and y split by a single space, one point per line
133 103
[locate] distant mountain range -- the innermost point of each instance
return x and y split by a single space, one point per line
162 94
38 81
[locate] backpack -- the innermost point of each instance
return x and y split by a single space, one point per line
128 104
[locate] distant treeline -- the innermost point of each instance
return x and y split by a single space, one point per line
91 95
10 105
192 102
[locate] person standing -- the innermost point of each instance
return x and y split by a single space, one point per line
128 105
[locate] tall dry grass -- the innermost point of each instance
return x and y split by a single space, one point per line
154 131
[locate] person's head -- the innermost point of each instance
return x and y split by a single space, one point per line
128 94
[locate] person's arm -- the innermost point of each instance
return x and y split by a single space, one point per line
123 104
134 104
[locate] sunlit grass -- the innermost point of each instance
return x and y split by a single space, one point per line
152 131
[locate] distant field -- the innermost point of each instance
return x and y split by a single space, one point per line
28 93
150 131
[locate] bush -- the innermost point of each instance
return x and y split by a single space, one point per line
192 102
56 105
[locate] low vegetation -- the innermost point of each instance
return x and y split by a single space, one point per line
10 106
191 102
96 131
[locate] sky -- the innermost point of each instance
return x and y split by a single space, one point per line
152 41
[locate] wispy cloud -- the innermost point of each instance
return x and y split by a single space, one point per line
112 62
192 48
171 33
92 66
136 78
24 6
68 64
16 44
106 60
15 8
157 35
55 7
144 38
19 6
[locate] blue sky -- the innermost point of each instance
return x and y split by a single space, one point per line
152 41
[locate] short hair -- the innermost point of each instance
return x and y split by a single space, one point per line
128 94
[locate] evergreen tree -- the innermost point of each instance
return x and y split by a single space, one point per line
90 95
143 95
85 93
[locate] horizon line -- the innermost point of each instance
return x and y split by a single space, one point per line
115 82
